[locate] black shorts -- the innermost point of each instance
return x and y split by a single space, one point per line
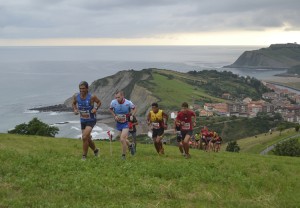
89 123
184 133
157 132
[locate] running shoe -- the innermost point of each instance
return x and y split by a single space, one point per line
83 158
96 152
187 156
162 151
123 157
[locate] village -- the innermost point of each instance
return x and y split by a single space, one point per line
282 101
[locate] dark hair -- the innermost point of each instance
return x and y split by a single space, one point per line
84 83
154 105
185 105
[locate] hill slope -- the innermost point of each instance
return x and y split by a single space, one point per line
47 172
171 88
277 56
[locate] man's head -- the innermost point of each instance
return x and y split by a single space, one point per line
154 107
119 95
83 87
184 106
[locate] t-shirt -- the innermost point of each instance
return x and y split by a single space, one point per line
185 119
122 110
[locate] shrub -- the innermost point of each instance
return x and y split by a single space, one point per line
232 147
290 147
35 127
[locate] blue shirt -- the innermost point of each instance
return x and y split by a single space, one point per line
122 109
84 108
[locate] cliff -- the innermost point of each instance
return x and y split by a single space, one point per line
277 56
168 88
128 81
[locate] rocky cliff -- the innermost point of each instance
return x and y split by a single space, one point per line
130 82
277 56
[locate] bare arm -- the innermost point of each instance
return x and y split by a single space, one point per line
74 105
194 120
96 100
148 118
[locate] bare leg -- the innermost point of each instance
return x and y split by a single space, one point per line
186 145
124 141
92 144
86 137
159 144
156 145
180 146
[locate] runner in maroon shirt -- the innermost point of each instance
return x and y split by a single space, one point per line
186 118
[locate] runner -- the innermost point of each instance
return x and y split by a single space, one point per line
218 143
179 138
197 141
204 138
132 123
84 104
187 120
158 121
122 111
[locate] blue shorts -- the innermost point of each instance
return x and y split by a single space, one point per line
121 126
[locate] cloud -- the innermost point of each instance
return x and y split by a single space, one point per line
142 18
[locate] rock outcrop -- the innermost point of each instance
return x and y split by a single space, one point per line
128 81
277 56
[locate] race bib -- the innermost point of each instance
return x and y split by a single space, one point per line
122 118
155 125
85 114
186 126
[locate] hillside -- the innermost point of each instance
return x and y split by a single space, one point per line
170 88
48 172
277 56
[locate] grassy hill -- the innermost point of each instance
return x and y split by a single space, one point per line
277 56
172 88
48 172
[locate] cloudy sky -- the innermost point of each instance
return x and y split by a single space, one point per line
149 22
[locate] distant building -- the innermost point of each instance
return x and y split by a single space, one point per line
270 96
205 113
226 96
237 109
247 100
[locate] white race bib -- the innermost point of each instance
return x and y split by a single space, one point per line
186 126
85 114
122 118
155 125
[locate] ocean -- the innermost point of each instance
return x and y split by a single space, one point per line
42 76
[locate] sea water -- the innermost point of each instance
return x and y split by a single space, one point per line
42 76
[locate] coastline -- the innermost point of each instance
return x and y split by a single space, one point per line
283 81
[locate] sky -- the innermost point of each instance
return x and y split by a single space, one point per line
148 22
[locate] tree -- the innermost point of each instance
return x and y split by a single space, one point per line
232 147
290 147
297 128
35 127
280 128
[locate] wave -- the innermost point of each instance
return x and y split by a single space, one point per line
31 111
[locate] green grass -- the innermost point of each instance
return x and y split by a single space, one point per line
262 141
48 172
176 91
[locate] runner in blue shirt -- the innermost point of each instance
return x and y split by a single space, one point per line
123 110
86 104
